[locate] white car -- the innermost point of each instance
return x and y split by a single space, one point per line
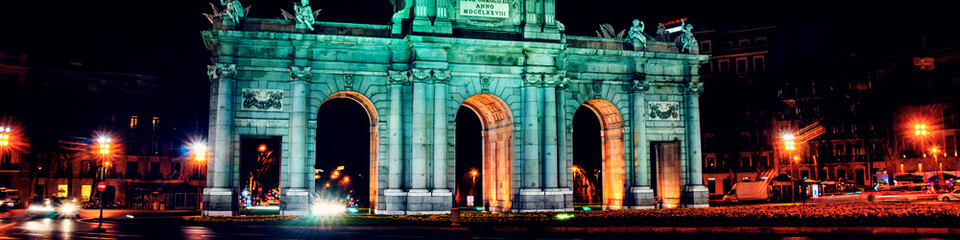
951 196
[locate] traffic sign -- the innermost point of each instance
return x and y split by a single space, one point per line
102 186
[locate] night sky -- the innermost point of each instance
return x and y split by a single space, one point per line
115 34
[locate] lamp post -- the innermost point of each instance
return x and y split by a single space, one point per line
103 147
199 150
920 131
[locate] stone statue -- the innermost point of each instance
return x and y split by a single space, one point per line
303 14
662 35
636 35
233 10
687 41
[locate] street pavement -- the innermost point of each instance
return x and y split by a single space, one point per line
16 225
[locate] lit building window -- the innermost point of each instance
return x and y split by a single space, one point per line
133 122
156 123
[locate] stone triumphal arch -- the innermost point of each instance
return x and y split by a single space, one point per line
508 62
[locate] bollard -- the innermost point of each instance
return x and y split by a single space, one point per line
455 216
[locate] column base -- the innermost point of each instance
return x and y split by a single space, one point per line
219 202
395 202
641 198
536 199
695 196
295 201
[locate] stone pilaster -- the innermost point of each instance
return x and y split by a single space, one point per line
440 78
219 195
695 193
640 192
441 197
295 200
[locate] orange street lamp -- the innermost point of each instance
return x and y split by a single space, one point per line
199 152
920 129
4 136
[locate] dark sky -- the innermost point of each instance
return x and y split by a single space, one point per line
119 33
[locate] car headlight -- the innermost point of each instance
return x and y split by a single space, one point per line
39 208
68 209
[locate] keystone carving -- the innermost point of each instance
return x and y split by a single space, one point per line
348 82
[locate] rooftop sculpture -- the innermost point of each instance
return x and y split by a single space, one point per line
232 10
636 35
303 14
687 41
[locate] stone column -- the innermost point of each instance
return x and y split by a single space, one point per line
530 186
440 78
296 200
641 192
219 194
418 187
696 192
553 195
562 170
550 138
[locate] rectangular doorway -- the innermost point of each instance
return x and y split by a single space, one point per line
259 175
667 172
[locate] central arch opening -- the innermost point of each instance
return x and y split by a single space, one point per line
598 165
345 168
486 141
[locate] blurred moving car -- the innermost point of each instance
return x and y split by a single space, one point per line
54 208
748 191
8 199
950 196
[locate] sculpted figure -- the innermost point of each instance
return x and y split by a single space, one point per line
636 34
662 35
305 13
687 41
232 10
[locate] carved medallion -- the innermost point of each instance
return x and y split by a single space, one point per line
261 99
663 111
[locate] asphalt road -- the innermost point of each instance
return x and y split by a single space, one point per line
15 225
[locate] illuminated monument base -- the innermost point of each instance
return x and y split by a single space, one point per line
514 68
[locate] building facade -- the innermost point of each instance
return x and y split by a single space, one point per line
512 66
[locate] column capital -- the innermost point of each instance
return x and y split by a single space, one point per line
420 74
441 76
639 86
532 79
399 77
693 88
558 80
300 73
221 70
